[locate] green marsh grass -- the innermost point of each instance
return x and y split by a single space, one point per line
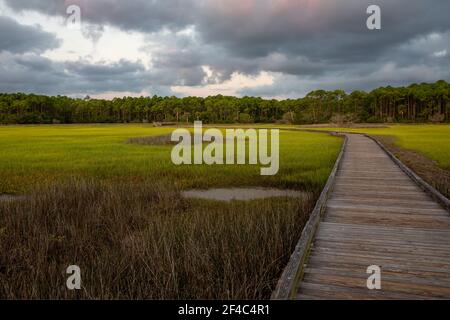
115 210
40 154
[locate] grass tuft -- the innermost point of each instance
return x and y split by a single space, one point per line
143 241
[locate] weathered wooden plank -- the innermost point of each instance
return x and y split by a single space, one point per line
376 172
329 291
382 241
430 239
387 285
400 220
389 276
420 204
387 269
381 180
386 208
384 229
377 259
322 260
366 186
386 247
376 254
357 194
390 248
380 195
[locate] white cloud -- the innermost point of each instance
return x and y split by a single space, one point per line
440 54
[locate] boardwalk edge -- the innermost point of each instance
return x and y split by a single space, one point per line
293 271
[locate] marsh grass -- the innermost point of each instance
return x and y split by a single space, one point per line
143 241
32 156
114 209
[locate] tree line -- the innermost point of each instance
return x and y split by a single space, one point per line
416 103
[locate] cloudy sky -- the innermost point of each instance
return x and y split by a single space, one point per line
269 48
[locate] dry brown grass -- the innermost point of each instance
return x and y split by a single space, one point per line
142 241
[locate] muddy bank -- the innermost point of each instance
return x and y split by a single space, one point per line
242 194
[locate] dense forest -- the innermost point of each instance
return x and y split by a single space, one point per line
416 103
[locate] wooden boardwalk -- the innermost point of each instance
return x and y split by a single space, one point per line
376 215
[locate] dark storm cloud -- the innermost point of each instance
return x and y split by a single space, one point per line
18 38
31 73
104 71
310 43
321 29
179 68
35 74
140 15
